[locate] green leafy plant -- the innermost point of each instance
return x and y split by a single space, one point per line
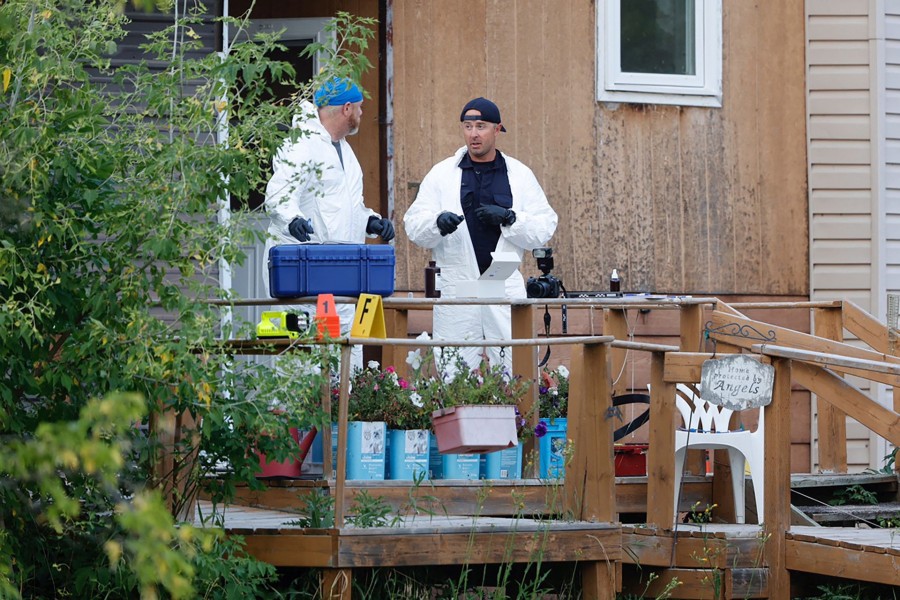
697 515
854 494
371 511
454 384
378 394
318 509
111 182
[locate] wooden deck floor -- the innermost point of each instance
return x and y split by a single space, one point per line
274 536
871 555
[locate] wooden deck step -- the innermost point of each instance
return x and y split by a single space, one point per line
853 513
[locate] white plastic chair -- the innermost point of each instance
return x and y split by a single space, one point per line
709 428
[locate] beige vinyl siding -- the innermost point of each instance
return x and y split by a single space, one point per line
891 205
890 208
841 174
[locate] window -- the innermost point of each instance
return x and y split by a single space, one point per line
660 51
297 35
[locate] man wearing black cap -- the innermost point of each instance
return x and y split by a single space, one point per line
504 210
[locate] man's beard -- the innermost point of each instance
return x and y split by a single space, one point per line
354 126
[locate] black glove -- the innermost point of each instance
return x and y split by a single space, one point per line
495 215
382 227
300 228
447 222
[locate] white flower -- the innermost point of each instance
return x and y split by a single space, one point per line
416 399
373 364
423 336
414 359
394 378
562 370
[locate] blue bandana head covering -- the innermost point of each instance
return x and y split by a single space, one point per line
337 92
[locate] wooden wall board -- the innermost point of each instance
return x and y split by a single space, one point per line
842 561
509 544
736 547
292 550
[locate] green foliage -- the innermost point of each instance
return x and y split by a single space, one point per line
454 384
224 573
371 511
854 494
890 459
698 515
854 591
378 394
318 507
111 181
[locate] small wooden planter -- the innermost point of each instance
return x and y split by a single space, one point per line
474 429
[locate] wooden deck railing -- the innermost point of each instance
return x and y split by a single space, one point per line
815 361
830 320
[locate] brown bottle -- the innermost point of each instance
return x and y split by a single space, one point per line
614 282
431 272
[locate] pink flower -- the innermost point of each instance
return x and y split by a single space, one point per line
402 383
391 370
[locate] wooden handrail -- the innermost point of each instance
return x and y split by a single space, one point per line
865 327
644 346
418 303
780 305
823 358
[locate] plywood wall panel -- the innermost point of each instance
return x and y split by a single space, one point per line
686 200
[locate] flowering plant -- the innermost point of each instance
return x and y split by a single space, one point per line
455 384
378 394
553 393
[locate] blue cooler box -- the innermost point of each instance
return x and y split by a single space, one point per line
297 270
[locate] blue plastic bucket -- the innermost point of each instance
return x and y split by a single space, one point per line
452 466
552 448
503 464
366 449
408 453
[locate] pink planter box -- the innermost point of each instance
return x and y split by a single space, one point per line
474 429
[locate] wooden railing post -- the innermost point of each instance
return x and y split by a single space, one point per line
691 323
589 488
616 325
777 486
396 324
832 422
660 461
343 414
524 365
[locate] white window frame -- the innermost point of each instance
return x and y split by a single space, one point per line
296 29
702 89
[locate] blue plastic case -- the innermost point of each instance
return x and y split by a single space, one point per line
297 270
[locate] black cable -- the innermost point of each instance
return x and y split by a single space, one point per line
547 318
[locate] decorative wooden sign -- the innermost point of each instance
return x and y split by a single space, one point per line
737 381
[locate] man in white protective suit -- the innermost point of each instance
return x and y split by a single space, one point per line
316 191
469 205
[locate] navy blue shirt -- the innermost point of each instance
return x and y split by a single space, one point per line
483 183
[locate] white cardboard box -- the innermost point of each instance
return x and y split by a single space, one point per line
492 283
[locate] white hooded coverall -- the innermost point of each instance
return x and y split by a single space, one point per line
454 254
309 182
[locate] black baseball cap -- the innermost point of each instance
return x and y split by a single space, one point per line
489 112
